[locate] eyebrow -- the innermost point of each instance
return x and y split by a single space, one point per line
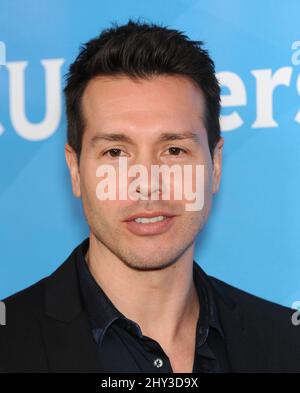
164 137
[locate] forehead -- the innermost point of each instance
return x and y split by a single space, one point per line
111 103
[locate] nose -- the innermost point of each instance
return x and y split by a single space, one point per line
148 190
146 185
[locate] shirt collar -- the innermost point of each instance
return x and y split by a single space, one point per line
102 313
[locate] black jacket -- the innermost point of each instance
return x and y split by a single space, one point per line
44 321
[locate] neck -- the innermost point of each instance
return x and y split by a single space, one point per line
160 301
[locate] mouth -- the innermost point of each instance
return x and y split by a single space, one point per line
144 224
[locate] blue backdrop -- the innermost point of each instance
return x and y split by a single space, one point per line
252 237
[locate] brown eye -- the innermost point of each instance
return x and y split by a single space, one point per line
113 152
175 151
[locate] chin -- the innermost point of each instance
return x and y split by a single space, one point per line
148 266
149 260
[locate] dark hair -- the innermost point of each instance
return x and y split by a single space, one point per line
141 50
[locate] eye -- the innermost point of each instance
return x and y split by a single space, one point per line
113 152
175 151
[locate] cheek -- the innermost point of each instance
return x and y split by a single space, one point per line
197 181
94 189
191 223
89 183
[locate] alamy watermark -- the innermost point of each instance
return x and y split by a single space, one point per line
296 315
2 313
296 54
184 181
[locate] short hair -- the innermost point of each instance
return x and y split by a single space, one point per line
141 50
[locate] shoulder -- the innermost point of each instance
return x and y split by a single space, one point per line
28 299
249 302
28 303
22 312
20 338
275 326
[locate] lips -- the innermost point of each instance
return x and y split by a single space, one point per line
150 228
149 215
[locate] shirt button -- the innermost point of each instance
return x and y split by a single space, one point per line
158 363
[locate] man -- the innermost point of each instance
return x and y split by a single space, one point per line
130 297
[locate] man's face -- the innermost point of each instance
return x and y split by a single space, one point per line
146 114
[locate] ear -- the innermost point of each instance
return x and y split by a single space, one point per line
72 162
217 168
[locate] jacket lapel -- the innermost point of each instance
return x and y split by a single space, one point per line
69 343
